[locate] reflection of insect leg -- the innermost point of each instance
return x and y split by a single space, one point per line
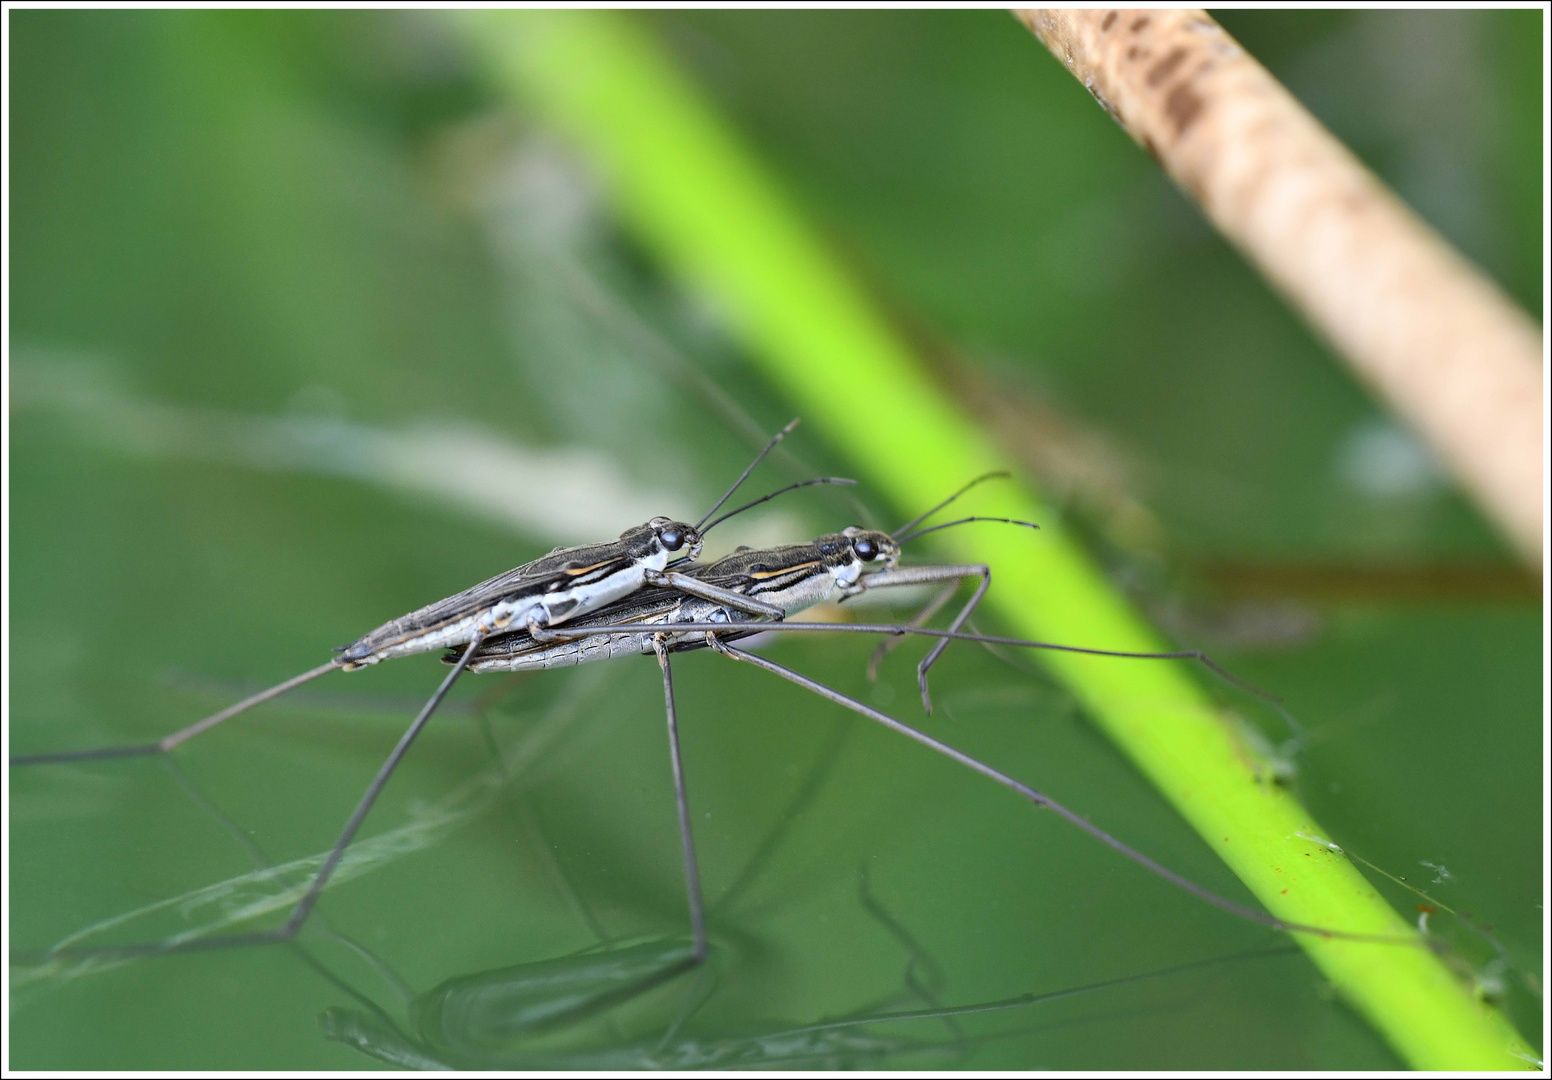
309 900
262 861
528 822
1024 1001
808 791
926 990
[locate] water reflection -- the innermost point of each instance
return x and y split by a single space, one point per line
592 1011
630 1005
271 887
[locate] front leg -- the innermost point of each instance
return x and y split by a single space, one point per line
921 618
930 575
701 590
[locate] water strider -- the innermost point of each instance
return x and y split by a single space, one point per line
537 596
793 578
672 611
503 939
566 583
788 579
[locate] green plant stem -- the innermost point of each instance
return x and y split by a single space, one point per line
682 180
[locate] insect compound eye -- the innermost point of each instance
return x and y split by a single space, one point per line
672 539
866 550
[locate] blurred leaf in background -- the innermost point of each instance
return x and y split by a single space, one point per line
306 331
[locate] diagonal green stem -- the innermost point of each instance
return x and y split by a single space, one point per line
682 180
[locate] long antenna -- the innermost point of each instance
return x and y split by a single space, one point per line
919 518
780 435
962 521
778 491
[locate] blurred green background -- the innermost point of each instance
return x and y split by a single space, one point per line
308 328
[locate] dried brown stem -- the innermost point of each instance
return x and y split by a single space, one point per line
1438 340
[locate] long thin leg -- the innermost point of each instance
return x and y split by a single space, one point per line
692 874
1039 799
177 738
698 588
734 630
921 618
926 575
309 900
959 621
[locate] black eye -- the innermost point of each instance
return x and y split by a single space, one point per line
866 550
672 539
